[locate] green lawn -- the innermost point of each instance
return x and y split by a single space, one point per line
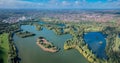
4 48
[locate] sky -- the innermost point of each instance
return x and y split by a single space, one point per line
60 4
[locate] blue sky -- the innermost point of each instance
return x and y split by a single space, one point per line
59 4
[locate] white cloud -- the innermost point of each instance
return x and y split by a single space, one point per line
77 2
66 4
18 4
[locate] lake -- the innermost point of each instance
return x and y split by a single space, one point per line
29 52
96 42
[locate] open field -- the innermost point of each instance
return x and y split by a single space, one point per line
4 48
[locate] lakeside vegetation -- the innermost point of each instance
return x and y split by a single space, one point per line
113 44
13 53
77 30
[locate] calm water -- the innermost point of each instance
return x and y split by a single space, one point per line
93 40
29 52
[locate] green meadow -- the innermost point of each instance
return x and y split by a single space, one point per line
4 48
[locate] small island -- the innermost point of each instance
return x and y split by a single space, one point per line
25 34
46 46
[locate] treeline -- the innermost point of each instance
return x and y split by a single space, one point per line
13 52
5 27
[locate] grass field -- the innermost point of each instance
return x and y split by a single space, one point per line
4 48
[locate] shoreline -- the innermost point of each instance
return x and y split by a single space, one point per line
82 52
13 55
89 56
